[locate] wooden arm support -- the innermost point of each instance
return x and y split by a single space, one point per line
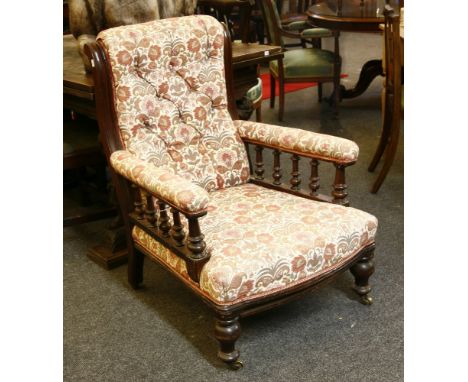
339 193
170 232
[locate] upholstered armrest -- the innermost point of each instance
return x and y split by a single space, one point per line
161 182
319 146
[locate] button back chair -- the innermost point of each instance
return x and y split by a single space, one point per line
182 174
393 98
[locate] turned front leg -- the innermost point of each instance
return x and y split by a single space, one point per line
362 271
196 246
339 193
227 331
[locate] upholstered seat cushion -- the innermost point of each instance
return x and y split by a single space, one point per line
262 241
310 62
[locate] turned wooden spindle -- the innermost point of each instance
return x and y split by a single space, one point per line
137 202
177 230
259 170
150 211
276 167
196 246
314 180
164 224
295 180
195 240
339 192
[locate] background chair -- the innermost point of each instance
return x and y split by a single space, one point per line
393 98
300 65
191 198
295 19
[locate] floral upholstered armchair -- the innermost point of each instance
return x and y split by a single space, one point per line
191 198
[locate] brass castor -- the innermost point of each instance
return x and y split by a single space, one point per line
236 365
366 300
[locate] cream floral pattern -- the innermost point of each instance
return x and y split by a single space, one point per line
170 99
322 146
160 181
262 241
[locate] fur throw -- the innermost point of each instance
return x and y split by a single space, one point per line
89 17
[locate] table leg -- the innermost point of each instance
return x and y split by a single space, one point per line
369 71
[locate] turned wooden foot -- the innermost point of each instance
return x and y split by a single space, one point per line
135 268
361 271
227 331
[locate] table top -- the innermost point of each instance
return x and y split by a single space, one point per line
244 54
359 15
75 79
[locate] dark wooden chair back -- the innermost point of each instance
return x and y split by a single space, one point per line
392 107
272 22
392 61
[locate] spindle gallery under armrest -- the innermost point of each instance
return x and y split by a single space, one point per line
191 248
339 193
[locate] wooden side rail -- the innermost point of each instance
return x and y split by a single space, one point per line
170 232
339 194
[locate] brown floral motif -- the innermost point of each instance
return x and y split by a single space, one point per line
124 57
245 288
194 45
200 113
154 52
164 123
163 88
123 93
298 264
218 42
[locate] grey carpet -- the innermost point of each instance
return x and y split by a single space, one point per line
164 333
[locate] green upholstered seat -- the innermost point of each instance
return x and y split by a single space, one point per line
255 93
308 32
302 63
316 33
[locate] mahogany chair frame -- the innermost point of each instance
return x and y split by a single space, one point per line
191 246
275 36
392 111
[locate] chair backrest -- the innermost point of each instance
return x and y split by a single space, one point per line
170 99
392 58
272 21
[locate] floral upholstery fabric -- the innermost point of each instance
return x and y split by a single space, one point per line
322 146
170 98
160 181
262 241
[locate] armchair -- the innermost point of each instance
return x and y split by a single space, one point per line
170 132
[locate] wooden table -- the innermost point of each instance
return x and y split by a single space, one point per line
355 16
